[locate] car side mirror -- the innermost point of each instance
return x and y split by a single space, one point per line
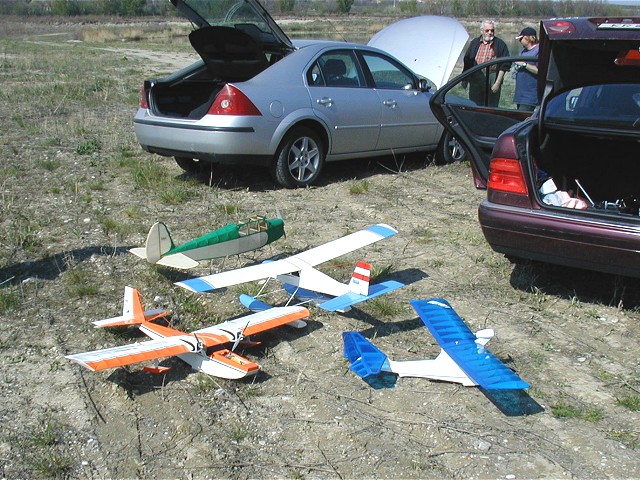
424 84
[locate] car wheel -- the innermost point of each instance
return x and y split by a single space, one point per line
189 165
449 150
299 159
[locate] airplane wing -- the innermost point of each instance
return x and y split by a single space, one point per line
252 324
295 263
136 352
459 342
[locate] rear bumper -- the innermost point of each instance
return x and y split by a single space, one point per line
257 160
575 241
232 145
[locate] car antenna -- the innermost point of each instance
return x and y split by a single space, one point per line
584 192
337 31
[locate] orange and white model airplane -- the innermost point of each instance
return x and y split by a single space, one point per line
202 349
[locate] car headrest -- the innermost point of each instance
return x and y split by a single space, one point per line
334 67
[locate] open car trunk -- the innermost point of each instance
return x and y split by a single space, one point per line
590 146
228 55
236 39
603 171
187 97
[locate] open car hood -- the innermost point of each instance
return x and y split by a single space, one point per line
429 45
247 15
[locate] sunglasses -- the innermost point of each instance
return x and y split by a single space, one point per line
489 30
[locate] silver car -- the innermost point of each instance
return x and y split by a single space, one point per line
257 98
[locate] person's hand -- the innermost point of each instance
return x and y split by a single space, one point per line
495 88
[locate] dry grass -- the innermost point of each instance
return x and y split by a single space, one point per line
77 192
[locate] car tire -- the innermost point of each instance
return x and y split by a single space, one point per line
189 165
299 158
449 150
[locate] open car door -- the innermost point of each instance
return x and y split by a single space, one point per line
477 126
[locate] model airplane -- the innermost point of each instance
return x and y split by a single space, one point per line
230 240
301 279
463 357
202 349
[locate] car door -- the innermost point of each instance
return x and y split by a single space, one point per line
407 120
341 98
477 126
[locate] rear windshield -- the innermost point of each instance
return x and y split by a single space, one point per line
614 106
228 13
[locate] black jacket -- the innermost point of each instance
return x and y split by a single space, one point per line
499 47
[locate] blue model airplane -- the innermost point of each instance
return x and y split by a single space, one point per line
463 358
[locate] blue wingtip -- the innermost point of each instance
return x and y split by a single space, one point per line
365 358
196 285
252 303
383 230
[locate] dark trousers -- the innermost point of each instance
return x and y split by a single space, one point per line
480 89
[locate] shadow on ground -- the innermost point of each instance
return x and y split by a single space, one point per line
575 284
51 267
259 179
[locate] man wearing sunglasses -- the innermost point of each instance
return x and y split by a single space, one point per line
485 85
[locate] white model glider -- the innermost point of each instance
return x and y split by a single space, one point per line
202 349
463 358
302 280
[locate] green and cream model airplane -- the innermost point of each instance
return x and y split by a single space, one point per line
232 239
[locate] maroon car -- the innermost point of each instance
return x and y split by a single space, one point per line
563 184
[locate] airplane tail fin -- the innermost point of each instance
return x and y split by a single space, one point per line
158 243
132 312
360 279
365 358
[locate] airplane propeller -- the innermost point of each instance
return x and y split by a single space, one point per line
279 216
239 337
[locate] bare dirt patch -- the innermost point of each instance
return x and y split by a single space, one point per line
74 199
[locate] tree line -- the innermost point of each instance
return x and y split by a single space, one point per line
454 8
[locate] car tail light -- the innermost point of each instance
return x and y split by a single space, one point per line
505 175
559 26
231 101
144 103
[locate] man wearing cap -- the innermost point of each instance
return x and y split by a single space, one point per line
482 49
526 96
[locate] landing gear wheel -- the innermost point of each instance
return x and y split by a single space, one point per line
449 150
189 165
299 158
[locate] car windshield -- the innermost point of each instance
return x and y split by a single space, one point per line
605 106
